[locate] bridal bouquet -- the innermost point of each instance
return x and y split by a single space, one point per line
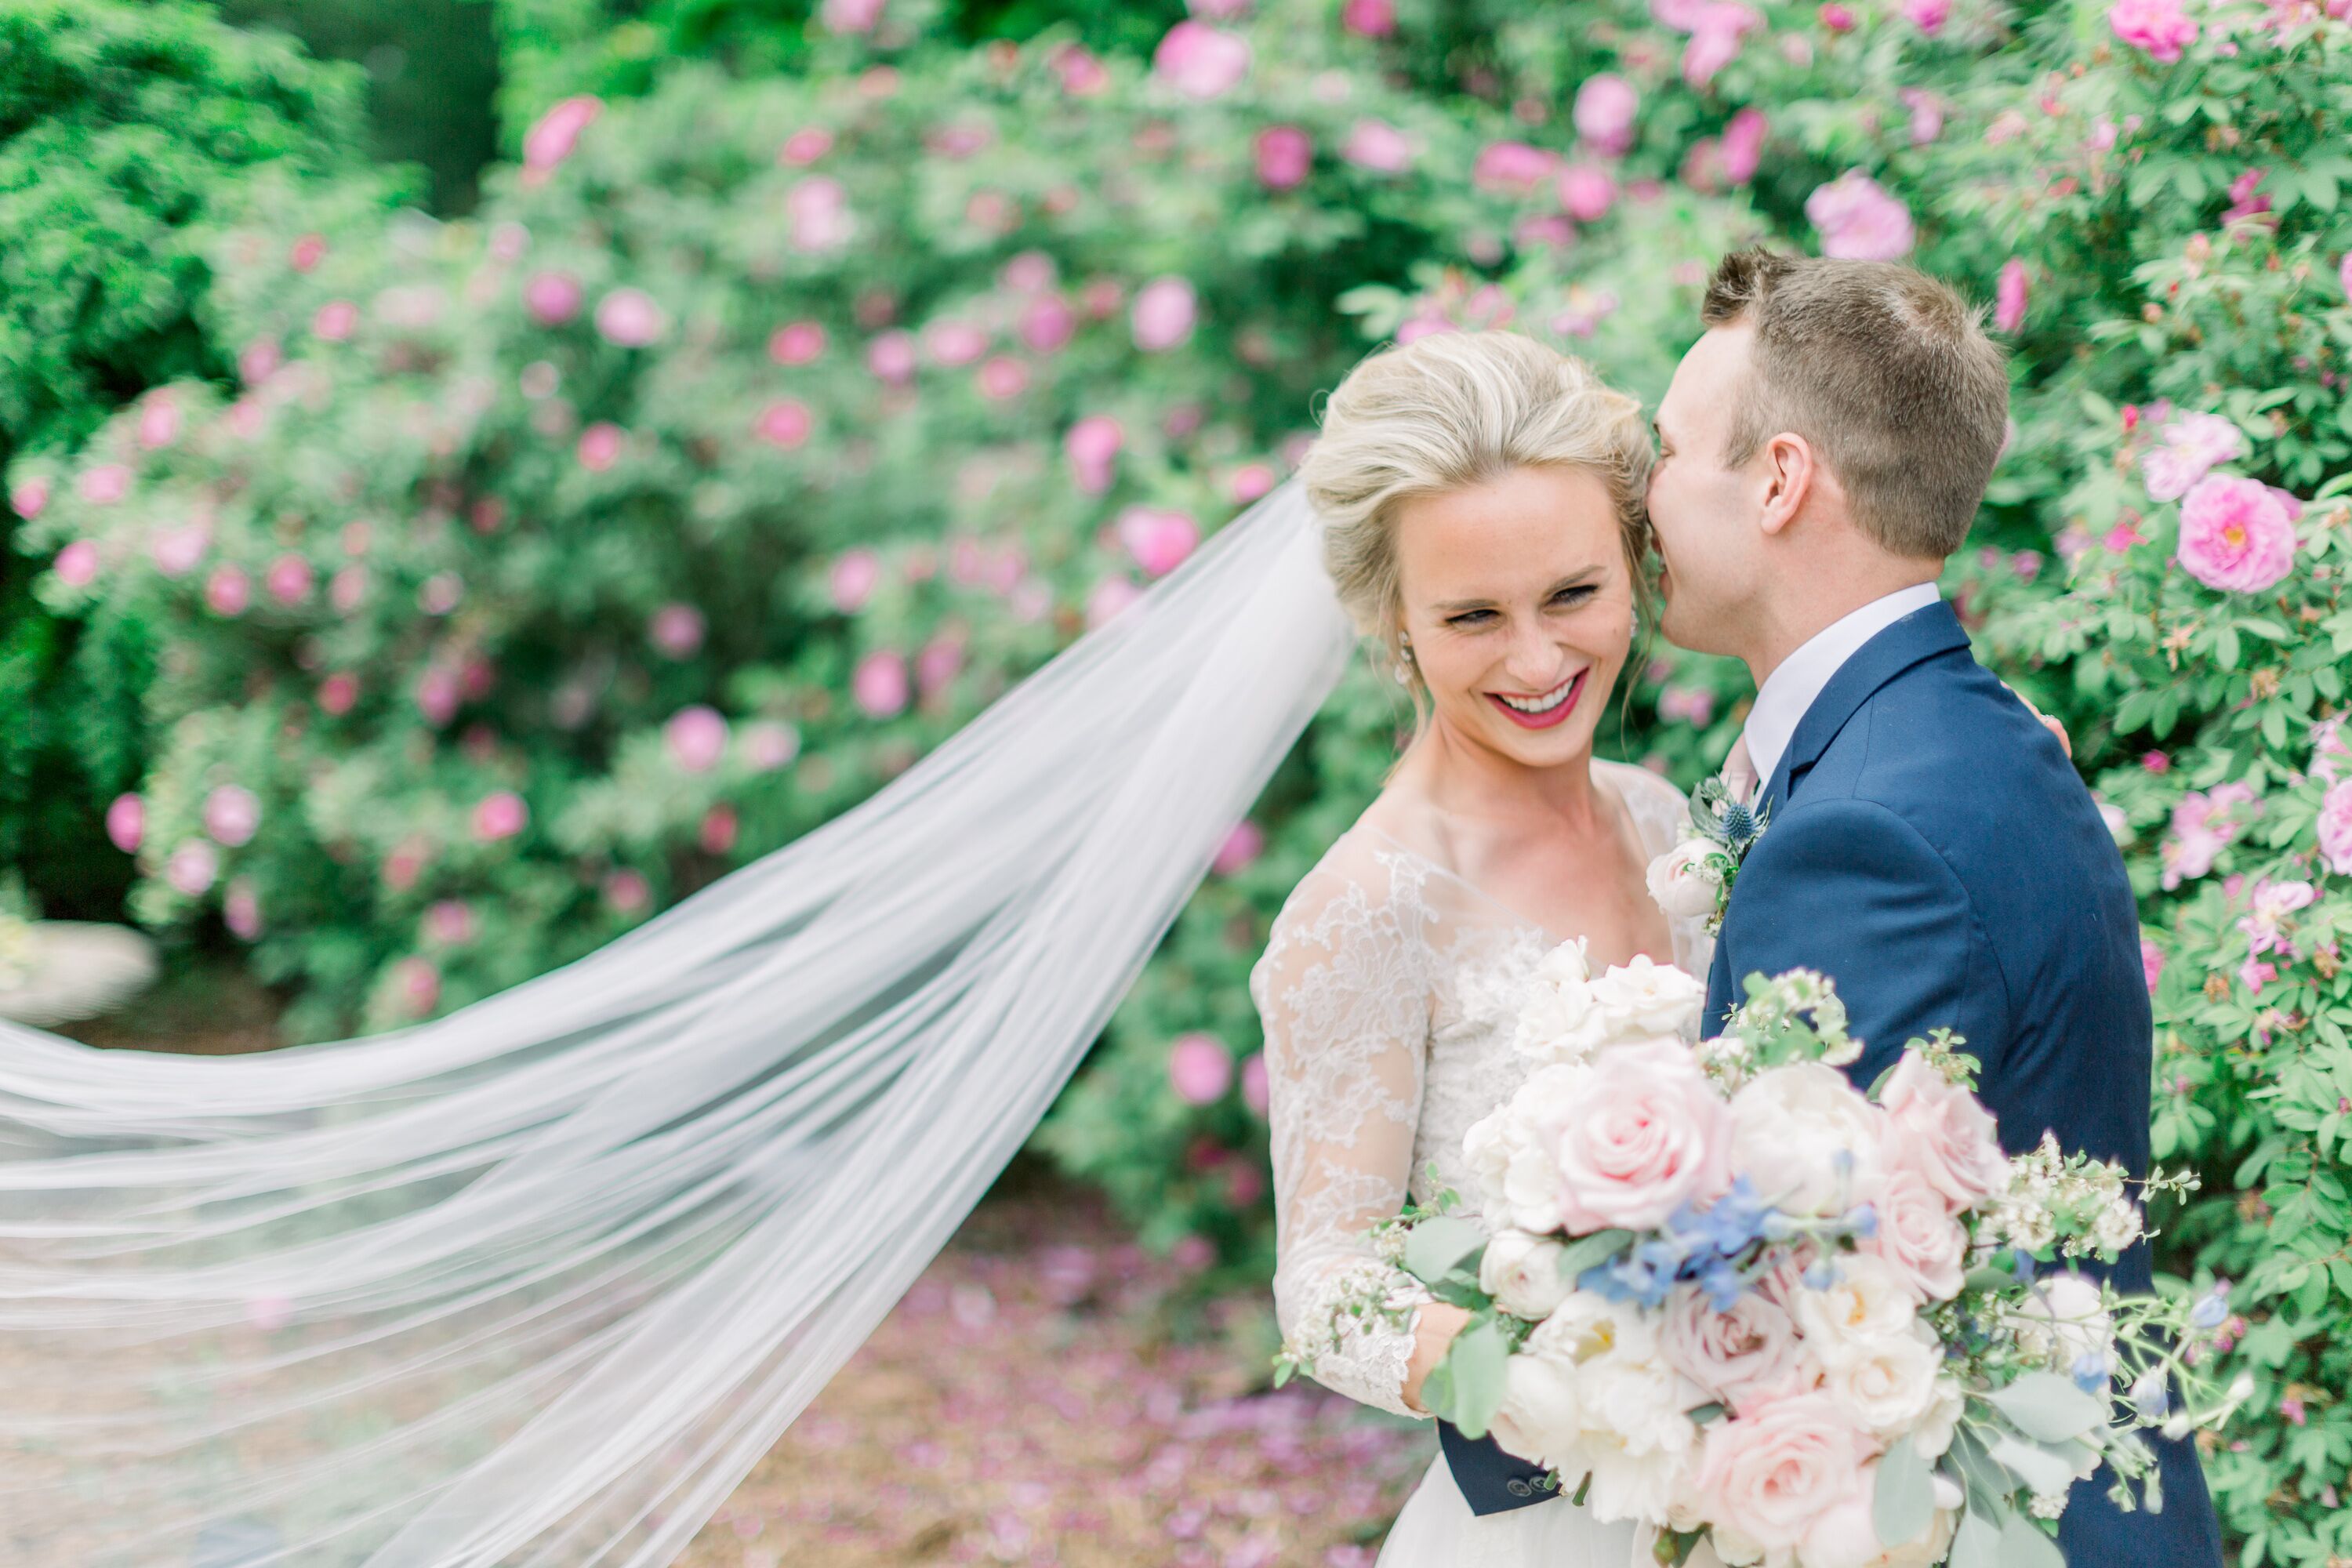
1777 1320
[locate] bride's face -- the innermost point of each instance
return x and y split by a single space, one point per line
1520 609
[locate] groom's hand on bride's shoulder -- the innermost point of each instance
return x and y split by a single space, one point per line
2048 723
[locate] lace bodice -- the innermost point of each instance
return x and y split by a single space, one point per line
1388 991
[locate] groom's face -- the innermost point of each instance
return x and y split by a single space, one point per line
1704 515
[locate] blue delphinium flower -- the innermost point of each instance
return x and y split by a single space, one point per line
2091 1372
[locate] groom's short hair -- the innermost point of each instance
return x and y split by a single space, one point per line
1887 372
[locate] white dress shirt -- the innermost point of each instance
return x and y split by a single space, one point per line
1790 690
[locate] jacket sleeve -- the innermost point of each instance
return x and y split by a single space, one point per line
1853 890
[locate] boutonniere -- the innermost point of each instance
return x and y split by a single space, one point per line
1694 876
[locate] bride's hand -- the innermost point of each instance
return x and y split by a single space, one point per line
2048 723
1434 1331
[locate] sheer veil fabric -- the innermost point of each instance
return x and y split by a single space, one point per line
537 1283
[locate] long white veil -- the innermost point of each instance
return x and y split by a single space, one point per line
539 1282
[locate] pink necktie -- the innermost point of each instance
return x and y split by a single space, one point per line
1740 772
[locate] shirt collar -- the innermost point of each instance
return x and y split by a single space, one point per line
1789 690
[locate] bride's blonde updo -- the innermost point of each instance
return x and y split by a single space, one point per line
1448 410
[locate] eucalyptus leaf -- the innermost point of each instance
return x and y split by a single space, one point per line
2023 1545
1480 1359
2048 1408
1978 1542
1904 1503
2037 1469
1587 1251
1433 1247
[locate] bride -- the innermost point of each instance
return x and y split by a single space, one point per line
1482 506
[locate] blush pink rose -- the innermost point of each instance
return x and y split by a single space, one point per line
2009 297
1744 1357
1285 154
600 446
630 317
1163 314
880 684
2335 827
557 133
2151 957
1369 19
2161 27
1941 1133
1743 145
77 564
796 343
2235 535
1200 1069
499 816
1512 166
1241 848
1647 1134
784 423
1255 1091
30 498
1917 1236
552 297
126 822
1771 1472
1160 540
1377 145
1605 110
228 590
1860 220
696 737
1586 192
232 815
1201 61
1092 446
854 579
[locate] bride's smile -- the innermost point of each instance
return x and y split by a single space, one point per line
1541 712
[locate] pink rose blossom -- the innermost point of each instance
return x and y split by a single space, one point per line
1241 848
2244 201
1511 166
1743 145
953 343
2335 828
1927 16
817 213
498 815
228 590
880 684
677 630
417 984
241 909
1773 1472
771 744
1201 61
1916 1235
1747 1355
717 831
77 564
796 343
1163 314
335 320
1048 324
552 140
1002 377
891 358
339 693
697 738
936 664
289 579
600 446
1200 1069
1859 220
126 822
1377 145
1942 1134
2192 444
784 423
1250 481
1716 42
1108 599
258 361
2161 27
1369 19
1926 114
2235 536
848 16
449 922
1605 106
1285 156
630 317
105 484
439 595
804 146
1648 1134
1838 18
305 254
159 420
1079 72
232 815
31 499
2009 297
1586 192
1254 1088
552 297
1092 447
1159 541
627 891
2151 963
191 867
437 695
854 579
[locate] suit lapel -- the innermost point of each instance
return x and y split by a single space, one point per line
1923 634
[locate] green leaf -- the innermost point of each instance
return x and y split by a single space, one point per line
1586 1251
2037 1469
1904 1503
2225 648
1978 1542
2023 1545
1432 1247
2047 1408
1477 1363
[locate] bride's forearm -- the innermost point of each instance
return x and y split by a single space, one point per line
1434 1330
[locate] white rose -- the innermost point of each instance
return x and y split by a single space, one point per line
1541 1417
1809 1143
1508 1151
1521 1271
1686 882
1867 1301
1933 1436
1637 1439
1642 1000
2063 1319
1556 1021
1886 1383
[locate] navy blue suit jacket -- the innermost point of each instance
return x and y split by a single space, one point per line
1932 850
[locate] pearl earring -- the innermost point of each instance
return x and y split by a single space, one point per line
1404 661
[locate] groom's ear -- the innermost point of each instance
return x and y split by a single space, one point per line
1792 475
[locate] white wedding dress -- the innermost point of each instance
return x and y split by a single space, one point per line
1389 990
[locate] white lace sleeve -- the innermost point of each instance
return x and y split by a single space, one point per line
1345 1002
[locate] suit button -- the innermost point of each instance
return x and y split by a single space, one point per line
1518 1487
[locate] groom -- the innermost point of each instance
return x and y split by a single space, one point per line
1823 449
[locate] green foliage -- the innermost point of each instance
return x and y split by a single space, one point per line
126 133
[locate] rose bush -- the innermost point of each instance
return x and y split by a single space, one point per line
760 434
